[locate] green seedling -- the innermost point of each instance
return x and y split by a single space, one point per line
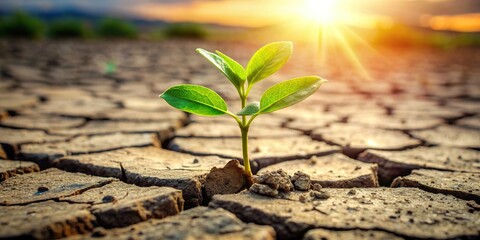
110 68
266 61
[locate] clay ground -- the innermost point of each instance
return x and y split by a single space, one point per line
88 150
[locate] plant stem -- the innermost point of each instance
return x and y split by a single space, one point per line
244 129
246 160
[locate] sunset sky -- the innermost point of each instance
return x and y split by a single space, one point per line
458 15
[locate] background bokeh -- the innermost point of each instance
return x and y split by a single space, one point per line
442 24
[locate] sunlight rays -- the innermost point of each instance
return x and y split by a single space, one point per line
327 22
350 52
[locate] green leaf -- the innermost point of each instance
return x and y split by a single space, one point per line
289 92
234 65
195 99
268 60
250 109
223 66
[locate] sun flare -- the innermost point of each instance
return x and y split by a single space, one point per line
328 26
321 11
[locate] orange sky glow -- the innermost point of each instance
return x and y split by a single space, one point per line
325 25
251 13
462 22
231 13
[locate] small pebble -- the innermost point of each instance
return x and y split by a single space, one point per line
42 189
319 194
99 232
316 187
108 198
352 192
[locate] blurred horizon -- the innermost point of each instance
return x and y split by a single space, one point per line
443 15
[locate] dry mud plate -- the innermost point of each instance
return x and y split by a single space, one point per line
58 204
148 166
392 164
406 212
463 185
198 223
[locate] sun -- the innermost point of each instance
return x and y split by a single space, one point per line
326 25
321 11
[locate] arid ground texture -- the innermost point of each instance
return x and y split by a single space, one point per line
88 150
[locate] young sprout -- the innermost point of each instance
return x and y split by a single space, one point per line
266 61
110 67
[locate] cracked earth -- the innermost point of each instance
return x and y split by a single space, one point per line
87 154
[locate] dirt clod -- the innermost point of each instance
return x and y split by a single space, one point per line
301 181
280 184
278 180
264 190
303 199
226 180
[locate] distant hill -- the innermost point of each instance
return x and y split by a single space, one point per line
88 16
95 17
